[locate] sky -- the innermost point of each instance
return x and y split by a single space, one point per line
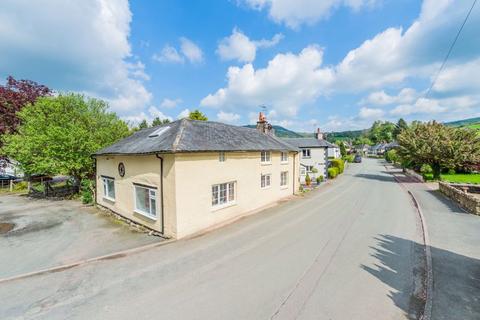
332 64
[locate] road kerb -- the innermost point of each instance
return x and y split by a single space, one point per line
427 310
110 256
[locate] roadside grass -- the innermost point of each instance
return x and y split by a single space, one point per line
457 177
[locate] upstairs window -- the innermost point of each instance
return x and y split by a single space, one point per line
108 188
284 157
221 156
283 178
265 156
305 153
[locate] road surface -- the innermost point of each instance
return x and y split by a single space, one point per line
351 250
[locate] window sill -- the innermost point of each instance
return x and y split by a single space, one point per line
108 199
266 163
223 206
145 215
267 187
284 162
306 157
283 187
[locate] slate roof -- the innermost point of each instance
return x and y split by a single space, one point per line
195 136
309 143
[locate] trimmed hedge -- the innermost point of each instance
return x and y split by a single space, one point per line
332 172
339 164
319 179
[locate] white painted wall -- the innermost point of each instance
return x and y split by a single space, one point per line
318 159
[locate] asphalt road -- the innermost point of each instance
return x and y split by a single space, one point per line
351 250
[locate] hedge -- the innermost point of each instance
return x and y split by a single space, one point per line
339 164
332 172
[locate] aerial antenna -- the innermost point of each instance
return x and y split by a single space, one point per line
263 107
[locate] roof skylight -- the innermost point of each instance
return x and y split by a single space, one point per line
158 132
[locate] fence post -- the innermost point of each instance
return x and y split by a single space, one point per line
11 185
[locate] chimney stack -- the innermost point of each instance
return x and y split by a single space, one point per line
263 126
319 135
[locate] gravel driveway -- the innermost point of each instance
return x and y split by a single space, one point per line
38 234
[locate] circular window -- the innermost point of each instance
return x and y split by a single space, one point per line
121 169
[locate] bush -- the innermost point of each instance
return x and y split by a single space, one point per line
349 158
314 170
86 190
339 164
425 169
308 180
392 156
332 172
319 179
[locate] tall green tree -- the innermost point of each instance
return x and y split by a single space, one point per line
343 149
58 135
439 146
197 115
399 127
143 124
157 121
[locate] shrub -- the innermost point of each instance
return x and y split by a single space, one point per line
319 179
86 189
19 186
314 170
349 158
391 156
308 180
425 169
332 172
339 164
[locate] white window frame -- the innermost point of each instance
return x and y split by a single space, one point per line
304 152
106 189
152 195
284 182
221 156
309 167
263 181
265 157
230 194
303 171
284 157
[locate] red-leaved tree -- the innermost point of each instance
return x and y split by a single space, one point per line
14 95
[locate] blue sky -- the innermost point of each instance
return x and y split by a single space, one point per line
333 64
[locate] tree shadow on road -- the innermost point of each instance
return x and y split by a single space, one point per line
456 279
378 177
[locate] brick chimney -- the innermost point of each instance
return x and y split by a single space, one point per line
319 135
263 126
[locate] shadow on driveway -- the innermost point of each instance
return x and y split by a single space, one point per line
456 280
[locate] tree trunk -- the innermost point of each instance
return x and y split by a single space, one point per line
436 171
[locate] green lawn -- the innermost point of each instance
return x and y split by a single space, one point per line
458 178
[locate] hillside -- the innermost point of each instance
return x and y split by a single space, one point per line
473 123
281 132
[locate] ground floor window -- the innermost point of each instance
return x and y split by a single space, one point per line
265 180
283 178
146 201
223 193
108 188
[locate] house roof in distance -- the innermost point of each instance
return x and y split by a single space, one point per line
187 135
309 143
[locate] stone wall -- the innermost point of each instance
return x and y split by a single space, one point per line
412 173
466 200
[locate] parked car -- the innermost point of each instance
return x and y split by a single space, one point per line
357 159
7 177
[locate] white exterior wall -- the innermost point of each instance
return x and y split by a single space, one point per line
334 153
318 159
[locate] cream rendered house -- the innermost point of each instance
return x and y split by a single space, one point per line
186 176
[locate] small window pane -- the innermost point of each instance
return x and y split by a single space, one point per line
142 199
231 191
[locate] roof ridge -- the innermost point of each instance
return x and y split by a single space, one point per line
179 135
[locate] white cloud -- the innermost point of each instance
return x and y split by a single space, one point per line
381 98
295 13
287 82
170 103
168 54
50 42
183 114
228 117
151 114
191 51
422 105
239 47
459 78
371 113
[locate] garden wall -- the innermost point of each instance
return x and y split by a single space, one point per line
466 200
412 173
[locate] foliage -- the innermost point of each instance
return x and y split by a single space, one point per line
439 146
339 164
426 168
320 179
308 180
399 127
59 134
87 191
362 140
19 186
157 121
143 125
197 115
392 156
314 170
13 97
349 158
332 172
381 132
343 149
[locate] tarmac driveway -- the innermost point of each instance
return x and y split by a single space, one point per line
38 234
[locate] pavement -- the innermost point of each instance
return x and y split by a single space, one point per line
455 247
43 234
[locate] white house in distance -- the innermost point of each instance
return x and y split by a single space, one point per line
314 153
186 176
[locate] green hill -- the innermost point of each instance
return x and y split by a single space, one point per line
281 132
473 123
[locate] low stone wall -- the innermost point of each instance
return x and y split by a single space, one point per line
455 192
412 173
